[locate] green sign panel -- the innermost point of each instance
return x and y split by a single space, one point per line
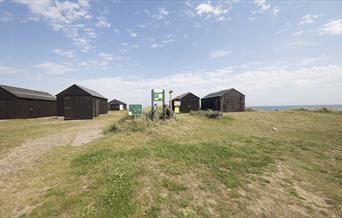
158 96
135 109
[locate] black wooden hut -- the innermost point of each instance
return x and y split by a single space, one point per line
77 102
187 102
25 103
116 105
229 100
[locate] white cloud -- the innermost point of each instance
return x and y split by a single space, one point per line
102 22
311 85
216 11
6 70
160 15
308 19
53 68
332 28
68 53
263 4
90 32
276 11
296 34
216 54
132 33
163 42
281 31
6 16
209 9
106 56
63 16
266 6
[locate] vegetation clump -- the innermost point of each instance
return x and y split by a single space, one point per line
129 123
250 109
207 113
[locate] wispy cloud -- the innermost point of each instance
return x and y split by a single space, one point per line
298 33
160 15
208 10
64 16
163 42
106 56
216 54
266 6
332 28
102 22
65 53
308 19
6 70
6 16
256 84
54 68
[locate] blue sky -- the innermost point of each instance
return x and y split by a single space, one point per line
275 52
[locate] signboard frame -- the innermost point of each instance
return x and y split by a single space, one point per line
135 110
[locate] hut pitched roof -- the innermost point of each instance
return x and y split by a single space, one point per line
183 95
91 92
28 93
116 101
220 93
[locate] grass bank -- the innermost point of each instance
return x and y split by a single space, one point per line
242 164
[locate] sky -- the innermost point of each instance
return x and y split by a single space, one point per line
274 52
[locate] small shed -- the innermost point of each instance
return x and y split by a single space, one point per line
229 100
186 102
25 103
116 105
77 102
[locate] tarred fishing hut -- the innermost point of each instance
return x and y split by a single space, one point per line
25 103
77 102
229 100
185 103
116 105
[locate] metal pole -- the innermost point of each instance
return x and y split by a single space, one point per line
152 105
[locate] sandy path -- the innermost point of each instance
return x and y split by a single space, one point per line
20 157
14 194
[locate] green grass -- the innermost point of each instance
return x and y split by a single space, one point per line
193 166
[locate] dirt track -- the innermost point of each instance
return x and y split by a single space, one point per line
21 156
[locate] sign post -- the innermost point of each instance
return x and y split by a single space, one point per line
157 95
135 110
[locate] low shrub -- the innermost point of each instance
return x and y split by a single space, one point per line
208 113
250 109
129 123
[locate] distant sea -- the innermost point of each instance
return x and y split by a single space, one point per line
289 107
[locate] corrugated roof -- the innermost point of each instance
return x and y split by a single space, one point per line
28 93
116 101
219 93
91 92
182 95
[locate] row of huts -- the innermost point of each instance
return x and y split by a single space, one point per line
229 100
75 102
78 102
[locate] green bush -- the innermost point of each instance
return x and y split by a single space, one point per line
129 123
208 113
250 109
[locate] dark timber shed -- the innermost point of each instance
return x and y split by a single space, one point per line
229 100
25 103
116 105
77 102
187 102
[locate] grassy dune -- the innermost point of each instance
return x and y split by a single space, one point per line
238 165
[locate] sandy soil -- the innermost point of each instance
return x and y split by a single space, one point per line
20 158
